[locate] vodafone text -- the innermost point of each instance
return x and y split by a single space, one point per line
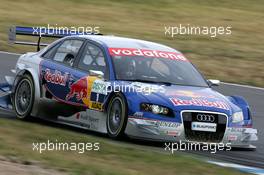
146 53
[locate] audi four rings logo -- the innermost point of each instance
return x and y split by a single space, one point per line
205 118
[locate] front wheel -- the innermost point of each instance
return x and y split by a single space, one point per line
24 97
116 116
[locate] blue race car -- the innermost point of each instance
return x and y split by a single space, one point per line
122 86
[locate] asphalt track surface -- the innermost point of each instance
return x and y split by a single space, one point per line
255 97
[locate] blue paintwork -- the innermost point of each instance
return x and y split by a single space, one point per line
58 91
134 99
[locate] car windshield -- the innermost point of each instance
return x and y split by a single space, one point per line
161 67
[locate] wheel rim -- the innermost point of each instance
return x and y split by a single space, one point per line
23 97
115 118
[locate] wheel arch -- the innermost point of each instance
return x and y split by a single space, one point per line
35 77
110 96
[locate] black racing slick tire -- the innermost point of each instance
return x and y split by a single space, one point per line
117 116
23 98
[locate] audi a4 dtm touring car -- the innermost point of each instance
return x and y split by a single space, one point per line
122 86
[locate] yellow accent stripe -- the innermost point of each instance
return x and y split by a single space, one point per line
90 80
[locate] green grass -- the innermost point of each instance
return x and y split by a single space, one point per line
115 158
237 58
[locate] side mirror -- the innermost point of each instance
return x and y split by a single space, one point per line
96 73
213 82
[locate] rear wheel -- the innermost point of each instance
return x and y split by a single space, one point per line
24 97
116 116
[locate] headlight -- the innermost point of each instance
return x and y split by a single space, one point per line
237 117
156 109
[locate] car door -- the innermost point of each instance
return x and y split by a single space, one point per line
57 71
91 88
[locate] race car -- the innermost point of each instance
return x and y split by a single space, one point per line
123 86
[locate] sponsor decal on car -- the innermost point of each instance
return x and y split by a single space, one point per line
82 119
199 102
191 94
78 115
138 115
100 87
56 77
96 105
167 124
169 128
78 89
232 137
201 126
88 90
155 123
235 130
156 127
146 53
173 133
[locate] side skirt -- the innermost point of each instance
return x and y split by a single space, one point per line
89 119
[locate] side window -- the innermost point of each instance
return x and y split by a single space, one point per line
67 51
49 54
93 59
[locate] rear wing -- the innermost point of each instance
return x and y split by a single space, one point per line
39 32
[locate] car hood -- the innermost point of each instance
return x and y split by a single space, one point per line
180 98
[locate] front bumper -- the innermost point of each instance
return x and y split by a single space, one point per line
157 130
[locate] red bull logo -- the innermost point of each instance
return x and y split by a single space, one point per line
55 78
182 93
78 89
81 90
199 102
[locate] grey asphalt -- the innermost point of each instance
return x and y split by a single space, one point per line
254 96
